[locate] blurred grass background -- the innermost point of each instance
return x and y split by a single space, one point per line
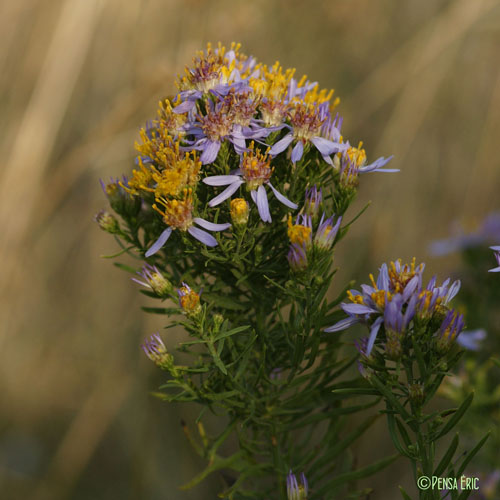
419 79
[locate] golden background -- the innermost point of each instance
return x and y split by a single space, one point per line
419 79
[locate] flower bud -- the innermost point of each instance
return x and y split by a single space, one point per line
239 212
312 201
154 280
296 490
218 320
107 222
393 347
416 392
157 352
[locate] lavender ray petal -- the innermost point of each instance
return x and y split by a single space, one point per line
205 224
221 180
342 324
159 242
357 309
283 199
281 145
202 236
210 152
297 152
373 335
227 193
263 204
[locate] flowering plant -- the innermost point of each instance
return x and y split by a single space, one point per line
238 199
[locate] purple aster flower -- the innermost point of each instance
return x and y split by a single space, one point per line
433 296
326 232
496 249
156 351
306 123
154 280
230 118
313 201
451 326
472 339
294 489
255 171
177 214
297 257
460 239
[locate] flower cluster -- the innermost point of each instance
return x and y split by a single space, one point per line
230 125
398 302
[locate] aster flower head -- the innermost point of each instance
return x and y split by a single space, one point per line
398 282
450 329
211 69
296 490
255 172
297 257
189 300
351 162
153 279
107 222
300 233
471 339
178 214
313 200
435 298
156 351
496 249
306 123
271 86
487 232
326 232
119 198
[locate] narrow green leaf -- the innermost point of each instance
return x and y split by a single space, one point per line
228 333
447 457
391 423
389 396
472 454
124 267
456 417
404 494
357 474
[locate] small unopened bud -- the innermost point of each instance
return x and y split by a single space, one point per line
218 320
296 490
318 280
393 347
239 212
416 392
107 222
313 201
258 253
